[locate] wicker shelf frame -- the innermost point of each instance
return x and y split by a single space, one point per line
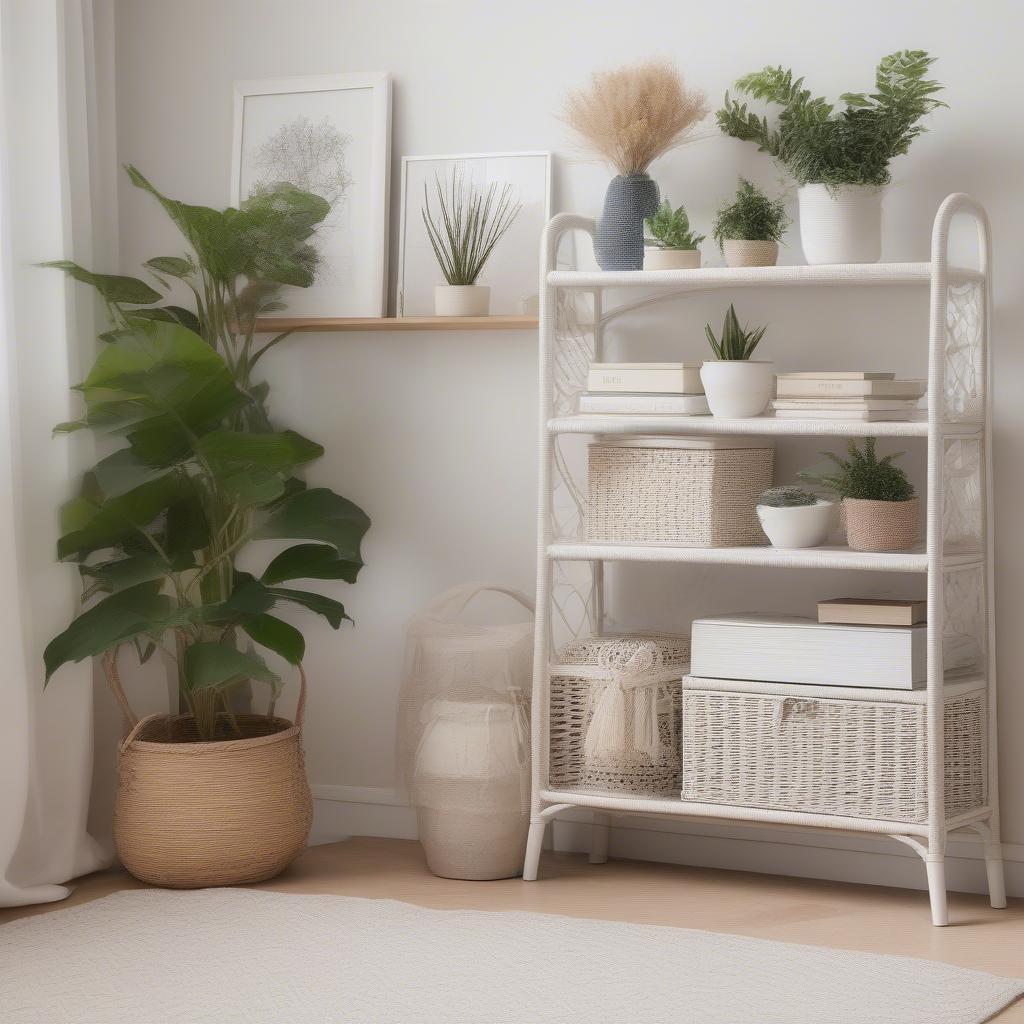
956 557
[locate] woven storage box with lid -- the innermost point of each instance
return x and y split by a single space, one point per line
615 714
826 750
693 491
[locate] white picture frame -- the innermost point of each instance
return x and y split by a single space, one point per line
348 118
513 271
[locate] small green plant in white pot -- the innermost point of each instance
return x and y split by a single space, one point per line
735 384
794 518
672 245
838 156
881 510
748 229
463 232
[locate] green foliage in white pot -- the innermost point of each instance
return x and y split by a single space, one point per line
200 471
670 228
751 216
736 342
786 497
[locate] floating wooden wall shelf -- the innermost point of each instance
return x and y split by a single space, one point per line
275 325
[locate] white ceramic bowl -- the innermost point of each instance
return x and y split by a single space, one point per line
797 526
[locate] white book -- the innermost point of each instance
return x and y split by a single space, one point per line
792 649
644 404
837 375
862 415
873 404
660 378
823 388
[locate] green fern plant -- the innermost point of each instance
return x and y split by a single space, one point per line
854 145
863 475
751 216
467 226
670 228
786 497
736 342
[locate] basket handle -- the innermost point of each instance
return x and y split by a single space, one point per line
454 601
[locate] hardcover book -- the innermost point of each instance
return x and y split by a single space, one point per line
818 387
646 404
836 375
661 378
872 611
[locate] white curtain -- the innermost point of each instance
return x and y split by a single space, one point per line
53 177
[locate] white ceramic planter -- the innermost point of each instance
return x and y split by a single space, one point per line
737 387
844 226
797 526
741 252
462 300
671 259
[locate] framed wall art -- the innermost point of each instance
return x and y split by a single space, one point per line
513 270
327 134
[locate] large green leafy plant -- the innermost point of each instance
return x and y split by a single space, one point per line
201 471
818 143
863 475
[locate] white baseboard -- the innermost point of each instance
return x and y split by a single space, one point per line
342 811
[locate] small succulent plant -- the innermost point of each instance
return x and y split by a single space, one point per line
736 342
786 497
670 229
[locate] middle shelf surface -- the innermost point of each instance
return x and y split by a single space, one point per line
827 557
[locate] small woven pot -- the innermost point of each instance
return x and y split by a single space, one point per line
191 814
741 252
881 525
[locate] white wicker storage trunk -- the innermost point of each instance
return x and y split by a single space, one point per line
585 670
696 492
799 748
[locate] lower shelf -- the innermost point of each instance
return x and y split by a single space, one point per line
626 804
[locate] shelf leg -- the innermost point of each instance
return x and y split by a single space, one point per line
936 867
993 864
599 838
534 843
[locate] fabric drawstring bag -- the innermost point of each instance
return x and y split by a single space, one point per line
464 735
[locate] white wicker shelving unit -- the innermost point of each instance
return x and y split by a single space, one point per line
956 557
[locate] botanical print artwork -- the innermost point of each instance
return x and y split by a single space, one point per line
325 135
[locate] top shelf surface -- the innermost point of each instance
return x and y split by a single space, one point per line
731 277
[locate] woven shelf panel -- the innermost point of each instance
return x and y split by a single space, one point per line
964 389
963 499
852 758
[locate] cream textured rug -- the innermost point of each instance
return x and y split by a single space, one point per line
236 956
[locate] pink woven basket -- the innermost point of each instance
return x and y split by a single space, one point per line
882 525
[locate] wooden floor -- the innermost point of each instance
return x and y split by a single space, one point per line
788 909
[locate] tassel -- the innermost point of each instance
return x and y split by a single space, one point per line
606 736
646 731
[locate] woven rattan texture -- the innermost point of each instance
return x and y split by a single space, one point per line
572 707
693 497
882 525
851 758
194 814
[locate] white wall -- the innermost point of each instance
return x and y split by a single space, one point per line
434 434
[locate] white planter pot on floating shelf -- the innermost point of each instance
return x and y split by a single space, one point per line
742 252
797 526
737 387
841 225
656 258
462 300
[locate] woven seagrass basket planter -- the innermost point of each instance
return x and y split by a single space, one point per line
881 525
192 813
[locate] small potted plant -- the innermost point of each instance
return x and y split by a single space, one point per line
735 384
793 517
672 245
463 232
748 230
881 510
839 158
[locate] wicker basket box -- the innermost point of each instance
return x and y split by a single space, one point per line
580 683
696 492
797 748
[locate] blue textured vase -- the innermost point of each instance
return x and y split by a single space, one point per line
630 199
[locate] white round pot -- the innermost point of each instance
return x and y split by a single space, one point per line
743 252
671 259
798 526
737 387
462 300
841 226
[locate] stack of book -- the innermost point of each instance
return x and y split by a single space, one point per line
652 389
846 395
